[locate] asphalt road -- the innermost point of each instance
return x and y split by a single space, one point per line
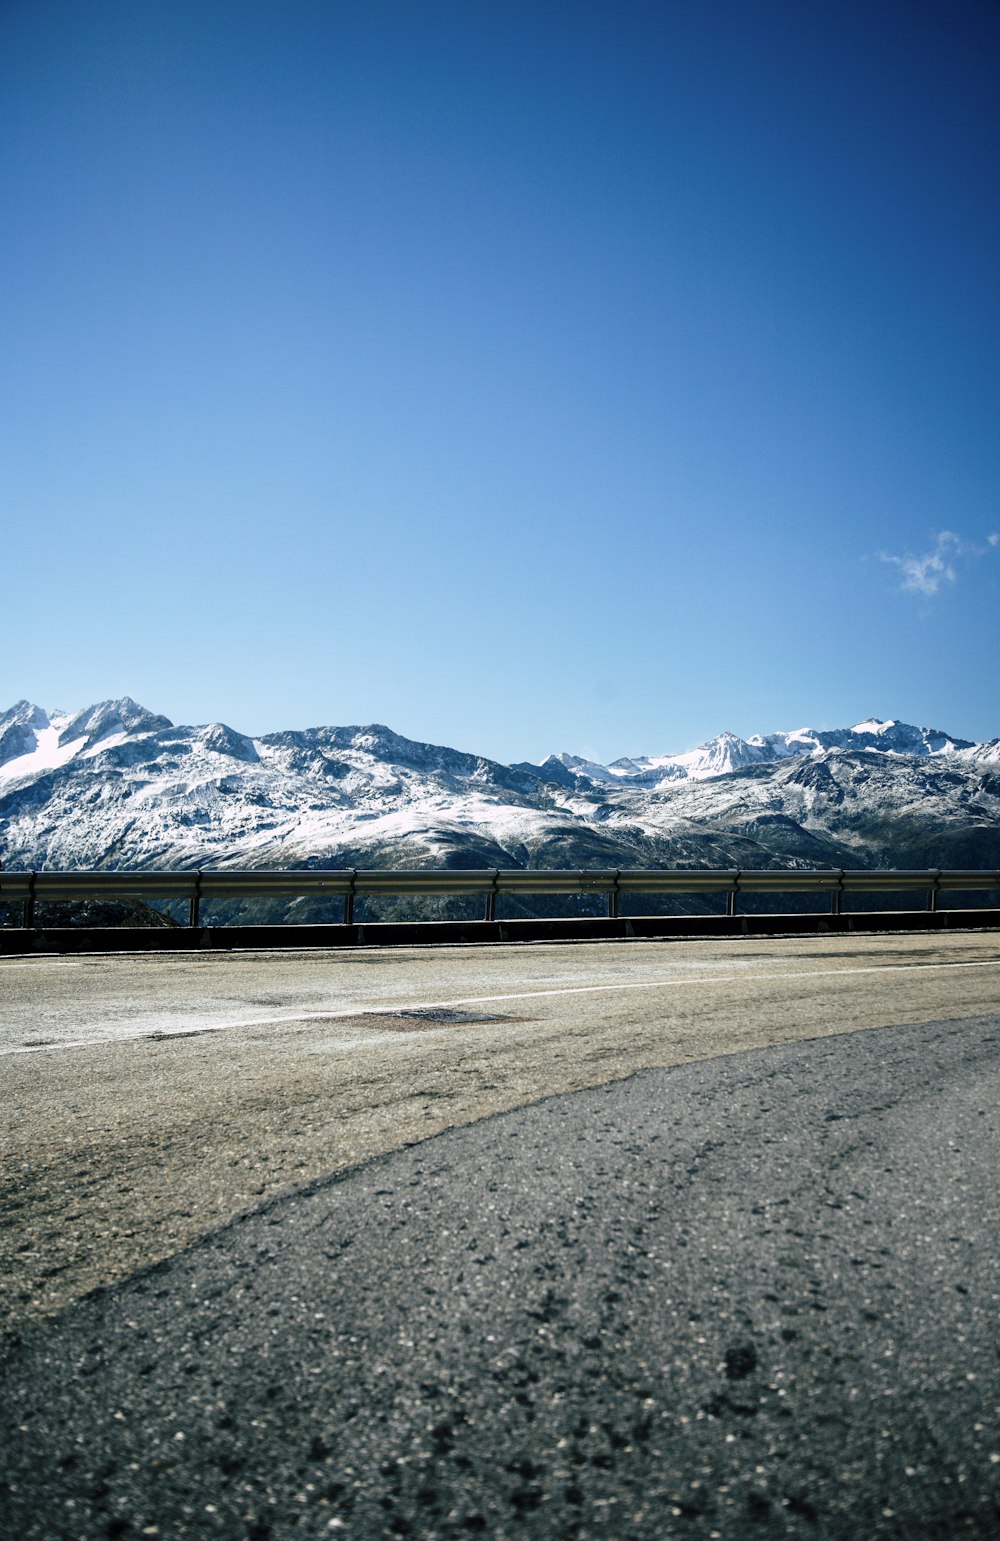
149 1099
751 1296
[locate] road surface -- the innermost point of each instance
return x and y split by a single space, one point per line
752 1296
149 1099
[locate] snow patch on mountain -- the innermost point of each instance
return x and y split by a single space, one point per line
46 754
987 753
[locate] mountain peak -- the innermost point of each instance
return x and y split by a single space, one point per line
875 725
728 752
19 726
106 717
33 740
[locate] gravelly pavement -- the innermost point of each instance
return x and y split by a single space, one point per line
754 1296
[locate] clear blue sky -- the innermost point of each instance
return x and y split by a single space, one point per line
526 376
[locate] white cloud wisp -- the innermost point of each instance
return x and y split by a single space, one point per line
929 573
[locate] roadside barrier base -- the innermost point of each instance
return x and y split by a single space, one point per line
437 933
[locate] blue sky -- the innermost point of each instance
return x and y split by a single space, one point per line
526 376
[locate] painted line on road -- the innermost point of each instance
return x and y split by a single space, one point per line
188 1030
37 962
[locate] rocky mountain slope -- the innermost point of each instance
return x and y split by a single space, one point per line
117 786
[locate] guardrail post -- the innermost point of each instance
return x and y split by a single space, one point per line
29 904
491 899
613 898
349 899
836 898
932 893
194 916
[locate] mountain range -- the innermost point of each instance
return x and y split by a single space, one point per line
118 786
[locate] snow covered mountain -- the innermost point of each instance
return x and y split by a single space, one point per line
727 753
116 786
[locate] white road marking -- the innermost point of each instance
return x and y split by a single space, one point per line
21 958
189 1029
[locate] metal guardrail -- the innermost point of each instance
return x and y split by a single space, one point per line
30 888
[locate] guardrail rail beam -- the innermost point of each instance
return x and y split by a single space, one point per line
29 889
